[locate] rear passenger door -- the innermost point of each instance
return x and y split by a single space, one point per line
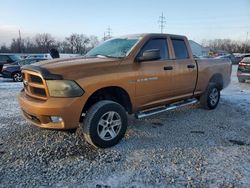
185 70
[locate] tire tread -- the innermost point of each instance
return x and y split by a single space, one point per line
86 125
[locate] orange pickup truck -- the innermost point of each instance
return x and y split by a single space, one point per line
141 74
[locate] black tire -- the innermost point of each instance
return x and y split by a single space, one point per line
17 77
208 99
95 125
241 80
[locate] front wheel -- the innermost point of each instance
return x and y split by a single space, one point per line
105 124
17 77
211 97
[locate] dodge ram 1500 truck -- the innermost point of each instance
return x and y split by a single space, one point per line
141 74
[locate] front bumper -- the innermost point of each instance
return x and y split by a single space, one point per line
6 74
39 112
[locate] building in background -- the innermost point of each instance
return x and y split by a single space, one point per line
198 50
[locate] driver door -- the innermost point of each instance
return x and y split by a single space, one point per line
154 83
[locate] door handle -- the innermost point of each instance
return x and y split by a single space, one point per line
168 68
190 66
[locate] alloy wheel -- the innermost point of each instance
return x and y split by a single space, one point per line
18 77
214 96
109 125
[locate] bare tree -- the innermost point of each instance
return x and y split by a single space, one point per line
17 45
63 47
93 41
227 45
78 43
29 46
44 42
4 49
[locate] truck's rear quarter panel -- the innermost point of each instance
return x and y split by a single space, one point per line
207 68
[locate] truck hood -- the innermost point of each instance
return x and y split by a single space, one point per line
79 67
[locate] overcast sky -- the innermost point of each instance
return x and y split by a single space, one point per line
195 18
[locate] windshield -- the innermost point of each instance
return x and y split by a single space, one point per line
29 61
15 57
22 62
117 48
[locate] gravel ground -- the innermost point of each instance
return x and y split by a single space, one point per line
188 147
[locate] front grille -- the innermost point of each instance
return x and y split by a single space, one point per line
36 79
34 85
23 75
39 91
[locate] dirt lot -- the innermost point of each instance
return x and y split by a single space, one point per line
188 147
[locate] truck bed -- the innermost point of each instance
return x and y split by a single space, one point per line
208 67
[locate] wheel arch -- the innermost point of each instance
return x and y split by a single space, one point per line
12 74
113 93
218 79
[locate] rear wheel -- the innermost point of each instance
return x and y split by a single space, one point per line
211 97
17 77
104 124
241 80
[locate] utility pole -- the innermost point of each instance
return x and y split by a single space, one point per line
104 36
107 34
246 43
20 41
162 22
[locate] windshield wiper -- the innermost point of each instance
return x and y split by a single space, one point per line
105 56
101 56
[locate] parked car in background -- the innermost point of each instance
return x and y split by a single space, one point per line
243 72
7 59
245 55
233 59
39 56
13 70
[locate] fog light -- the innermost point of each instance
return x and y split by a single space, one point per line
56 119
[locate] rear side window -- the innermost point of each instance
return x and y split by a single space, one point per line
14 57
160 44
180 49
4 58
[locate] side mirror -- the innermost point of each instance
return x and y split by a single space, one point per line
149 55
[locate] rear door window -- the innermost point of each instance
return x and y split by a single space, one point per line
160 44
180 49
4 58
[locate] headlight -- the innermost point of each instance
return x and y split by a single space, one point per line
64 88
4 67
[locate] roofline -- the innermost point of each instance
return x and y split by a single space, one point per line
151 35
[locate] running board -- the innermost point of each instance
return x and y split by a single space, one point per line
173 106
